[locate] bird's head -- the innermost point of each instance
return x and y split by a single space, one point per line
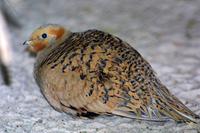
46 36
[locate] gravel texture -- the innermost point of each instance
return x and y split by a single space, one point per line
165 32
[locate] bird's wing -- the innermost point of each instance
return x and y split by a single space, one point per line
106 75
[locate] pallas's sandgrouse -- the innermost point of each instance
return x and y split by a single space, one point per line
96 72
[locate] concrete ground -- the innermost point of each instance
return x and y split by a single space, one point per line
165 32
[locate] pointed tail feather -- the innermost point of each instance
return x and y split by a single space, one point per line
195 125
145 118
171 106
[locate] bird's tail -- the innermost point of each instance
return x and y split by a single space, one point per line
172 107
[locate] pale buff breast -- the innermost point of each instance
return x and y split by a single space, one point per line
67 89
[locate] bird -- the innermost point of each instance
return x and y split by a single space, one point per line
94 72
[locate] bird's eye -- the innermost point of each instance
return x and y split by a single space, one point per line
44 35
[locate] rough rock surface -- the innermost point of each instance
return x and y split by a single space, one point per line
166 33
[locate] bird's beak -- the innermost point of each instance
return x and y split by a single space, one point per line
27 42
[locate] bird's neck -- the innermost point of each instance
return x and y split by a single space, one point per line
64 37
43 53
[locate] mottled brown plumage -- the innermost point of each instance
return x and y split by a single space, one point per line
97 72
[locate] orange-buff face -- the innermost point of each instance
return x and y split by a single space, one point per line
46 36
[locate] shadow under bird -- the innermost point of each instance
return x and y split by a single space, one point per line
96 72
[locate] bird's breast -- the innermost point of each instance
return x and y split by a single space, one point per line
66 86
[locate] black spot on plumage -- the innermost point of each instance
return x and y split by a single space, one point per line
53 66
133 81
64 67
101 76
105 97
82 76
102 63
73 68
73 55
90 91
118 60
